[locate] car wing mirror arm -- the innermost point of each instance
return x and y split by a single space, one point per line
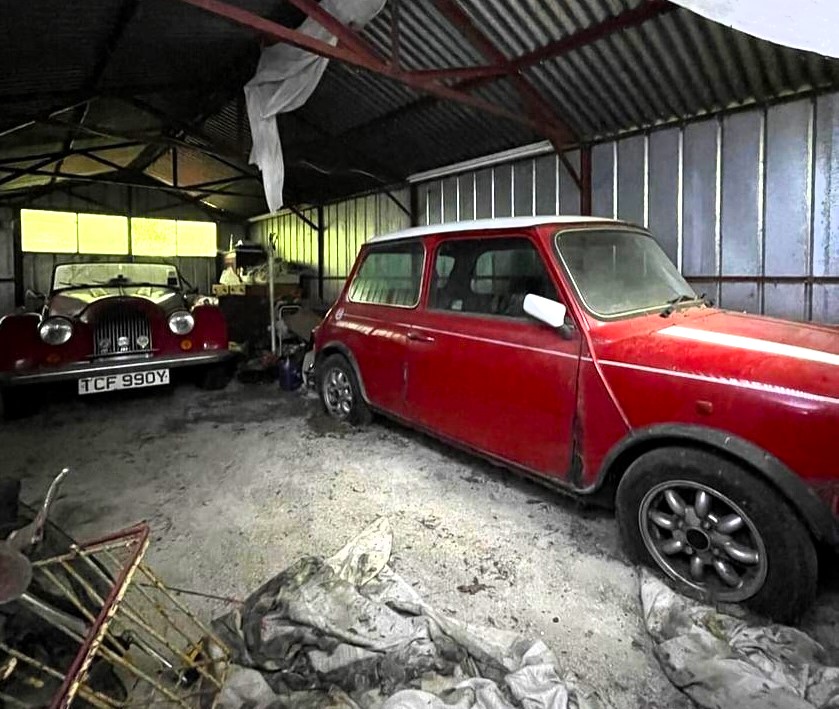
550 312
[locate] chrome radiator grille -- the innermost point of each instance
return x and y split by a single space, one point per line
121 331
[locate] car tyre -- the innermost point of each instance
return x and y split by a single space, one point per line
720 533
340 391
18 404
215 377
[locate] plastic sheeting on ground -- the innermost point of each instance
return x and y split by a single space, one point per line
350 632
285 79
805 24
724 662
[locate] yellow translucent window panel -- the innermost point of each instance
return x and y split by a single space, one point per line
154 237
48 232
103 234
196 238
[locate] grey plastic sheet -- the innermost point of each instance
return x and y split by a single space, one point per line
725 662
349 632
285 79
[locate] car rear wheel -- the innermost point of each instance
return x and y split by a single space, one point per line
717 531
340 392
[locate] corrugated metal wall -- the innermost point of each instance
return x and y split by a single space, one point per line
536 186
109 199
747 205
7 262
347 225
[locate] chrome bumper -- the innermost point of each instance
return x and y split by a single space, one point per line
113 366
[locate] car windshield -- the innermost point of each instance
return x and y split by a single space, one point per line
87 275
621 272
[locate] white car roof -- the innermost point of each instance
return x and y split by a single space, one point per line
487 224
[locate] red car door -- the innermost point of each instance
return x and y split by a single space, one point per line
375 316
480 371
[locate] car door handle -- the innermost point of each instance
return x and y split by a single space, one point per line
416 337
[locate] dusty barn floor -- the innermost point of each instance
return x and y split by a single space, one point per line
239 484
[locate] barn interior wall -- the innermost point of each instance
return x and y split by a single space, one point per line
347 225
747 204
7 261
118 199
36 269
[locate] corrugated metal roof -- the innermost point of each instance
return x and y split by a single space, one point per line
359 129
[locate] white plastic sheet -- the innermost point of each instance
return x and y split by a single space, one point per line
349 632
721 661
804 24
285 79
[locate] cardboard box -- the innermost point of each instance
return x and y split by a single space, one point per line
219 289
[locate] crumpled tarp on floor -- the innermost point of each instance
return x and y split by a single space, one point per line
724 662
350 632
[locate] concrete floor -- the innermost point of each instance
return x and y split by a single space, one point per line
240 483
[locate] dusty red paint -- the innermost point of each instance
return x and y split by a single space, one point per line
23 351
517 392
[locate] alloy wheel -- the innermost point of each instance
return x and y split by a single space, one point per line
338 393
701 538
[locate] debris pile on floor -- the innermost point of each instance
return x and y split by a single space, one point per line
722 661
350 632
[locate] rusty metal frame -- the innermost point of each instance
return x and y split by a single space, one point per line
346 36
466 79
138 536
279 33
132 598
553 127
447 83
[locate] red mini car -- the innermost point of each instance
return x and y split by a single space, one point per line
111 326
571 349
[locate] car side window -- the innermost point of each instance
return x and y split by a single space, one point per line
389 275
488 276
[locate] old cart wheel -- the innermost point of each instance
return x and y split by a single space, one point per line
718 531
340 392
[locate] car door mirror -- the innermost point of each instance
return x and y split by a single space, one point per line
547 311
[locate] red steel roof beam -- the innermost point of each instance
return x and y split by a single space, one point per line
280 33
551 125
346 35
630 18
460 73
352 40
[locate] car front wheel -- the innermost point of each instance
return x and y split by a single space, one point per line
18 403
718 531
340 392
215 377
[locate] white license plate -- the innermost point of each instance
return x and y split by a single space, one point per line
114 382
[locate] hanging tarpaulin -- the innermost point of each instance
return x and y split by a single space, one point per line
803 24
285 79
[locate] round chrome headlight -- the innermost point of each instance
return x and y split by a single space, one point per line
56 331
181 323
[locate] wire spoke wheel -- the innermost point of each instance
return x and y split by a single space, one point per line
338 393
702 538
